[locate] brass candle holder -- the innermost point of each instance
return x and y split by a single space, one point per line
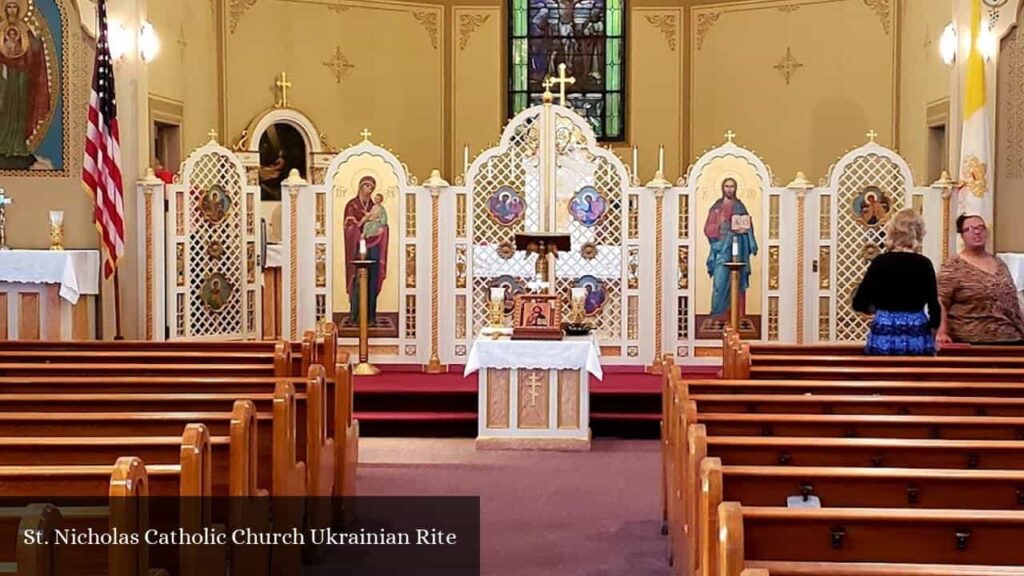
57 230
497 318
577 324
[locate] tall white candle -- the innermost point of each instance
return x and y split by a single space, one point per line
735 247
661 158
465 159
362 247
578 294
498 294
56 217
635 160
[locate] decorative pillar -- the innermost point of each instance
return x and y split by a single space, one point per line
946 185
658 186
800 185
291 187
148 186
434 184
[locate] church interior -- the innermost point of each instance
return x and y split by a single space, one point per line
594 287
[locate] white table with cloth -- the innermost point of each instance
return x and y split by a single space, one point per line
534 394
1015 262
48 295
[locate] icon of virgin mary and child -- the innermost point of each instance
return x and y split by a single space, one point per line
366 219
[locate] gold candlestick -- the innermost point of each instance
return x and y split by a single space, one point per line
56 230
364 368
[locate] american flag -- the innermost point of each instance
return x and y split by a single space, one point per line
101 171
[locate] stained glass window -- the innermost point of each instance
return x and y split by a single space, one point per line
589 37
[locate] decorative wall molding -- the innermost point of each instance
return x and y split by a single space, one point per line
429 22
881 8
236 8
339 65
1012 105
667 24
788 66
468 23
705 22
789 8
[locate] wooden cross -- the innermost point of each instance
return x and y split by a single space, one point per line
562 81
284 85
212 134
872 135
729 135
366 135
533 385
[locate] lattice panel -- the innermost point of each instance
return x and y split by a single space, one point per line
852 235
578 167
518 166
212 169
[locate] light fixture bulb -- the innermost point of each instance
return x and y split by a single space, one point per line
987 44
149 43
118 39
947 44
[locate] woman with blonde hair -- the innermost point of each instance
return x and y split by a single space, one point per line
898 288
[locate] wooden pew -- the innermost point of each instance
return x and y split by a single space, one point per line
859 404
888 373
951 387
862 426
767 349
895 541
846 488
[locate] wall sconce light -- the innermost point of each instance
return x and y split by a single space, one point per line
947 44
987 43
119 39
149 43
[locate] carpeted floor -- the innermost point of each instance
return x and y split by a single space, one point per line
542 513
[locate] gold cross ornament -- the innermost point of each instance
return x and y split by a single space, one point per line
730 135
533 385
284 85
872 135
212 134
562 81
366 135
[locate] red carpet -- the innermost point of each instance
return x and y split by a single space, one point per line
403 401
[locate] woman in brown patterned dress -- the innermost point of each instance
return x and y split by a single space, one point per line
979 299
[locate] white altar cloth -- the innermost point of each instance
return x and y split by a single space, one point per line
1015 262
77 271
570 353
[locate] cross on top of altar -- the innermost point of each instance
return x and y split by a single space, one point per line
283 84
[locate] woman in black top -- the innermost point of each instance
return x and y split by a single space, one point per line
897 288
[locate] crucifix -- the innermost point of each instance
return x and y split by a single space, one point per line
284 85
562 81
872 135
212 134
366 135
4 201
730 135
533 385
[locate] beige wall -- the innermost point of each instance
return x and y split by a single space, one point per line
185 73
842 57
925 81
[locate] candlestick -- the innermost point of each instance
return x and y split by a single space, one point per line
498 294
362 247
56 230
661 158
735 248
465 159
578 294
635 160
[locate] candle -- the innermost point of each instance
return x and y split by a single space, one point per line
735 247
465 159
661 158
635 160
56 217
578 294
498 294
362 247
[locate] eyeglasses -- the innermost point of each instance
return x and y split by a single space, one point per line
979 228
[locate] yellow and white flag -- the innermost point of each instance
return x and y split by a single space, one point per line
975 146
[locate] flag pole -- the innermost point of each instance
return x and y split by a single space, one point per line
117 306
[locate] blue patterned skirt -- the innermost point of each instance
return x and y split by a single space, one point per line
900 333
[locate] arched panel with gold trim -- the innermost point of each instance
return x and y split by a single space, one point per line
212 249
548 174
368 204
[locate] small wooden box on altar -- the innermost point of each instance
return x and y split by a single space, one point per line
534 394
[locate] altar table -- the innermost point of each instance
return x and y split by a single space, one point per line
534 394
48 295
